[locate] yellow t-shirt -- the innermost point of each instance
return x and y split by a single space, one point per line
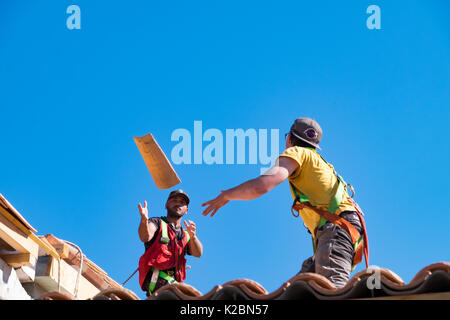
315 179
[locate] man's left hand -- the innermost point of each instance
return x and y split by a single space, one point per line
190 228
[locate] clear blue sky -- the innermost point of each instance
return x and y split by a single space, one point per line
71 100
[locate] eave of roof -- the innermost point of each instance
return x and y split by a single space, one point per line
5 204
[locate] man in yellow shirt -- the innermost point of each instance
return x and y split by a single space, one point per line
311 176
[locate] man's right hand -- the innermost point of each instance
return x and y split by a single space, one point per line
143 210
146 230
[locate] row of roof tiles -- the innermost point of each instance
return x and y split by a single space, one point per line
434 278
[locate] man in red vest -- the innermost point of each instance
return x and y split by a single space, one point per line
166 244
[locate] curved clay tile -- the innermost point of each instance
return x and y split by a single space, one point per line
421 276
437 281
259 296
182 290
120 293
175 288
320 280
164 295
230 293
389 275
333 292
249 284
187 292
211 293
55 295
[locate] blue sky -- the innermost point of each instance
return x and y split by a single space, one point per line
71 101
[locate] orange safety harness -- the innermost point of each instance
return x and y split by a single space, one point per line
360 241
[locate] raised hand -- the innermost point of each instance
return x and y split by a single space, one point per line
190 228
143 210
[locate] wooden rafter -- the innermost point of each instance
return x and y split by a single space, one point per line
15 237
19 259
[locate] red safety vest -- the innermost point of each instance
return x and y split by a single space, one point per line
165 253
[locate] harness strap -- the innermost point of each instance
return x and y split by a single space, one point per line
365 238
166 277
334 205
159 274
153 280
164 235
334 219
358 240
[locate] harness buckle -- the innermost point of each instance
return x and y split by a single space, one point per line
164 240
292 209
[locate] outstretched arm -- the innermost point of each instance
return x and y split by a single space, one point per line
254 188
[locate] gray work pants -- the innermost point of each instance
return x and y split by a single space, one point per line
334 254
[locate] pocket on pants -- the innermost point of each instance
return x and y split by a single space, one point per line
326 232
325 239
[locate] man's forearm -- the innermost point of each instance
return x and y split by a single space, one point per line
144 233
248 190
196 247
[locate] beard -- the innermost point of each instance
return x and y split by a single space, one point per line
174 213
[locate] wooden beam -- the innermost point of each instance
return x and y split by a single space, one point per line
19 259
15 237
62 249
48 248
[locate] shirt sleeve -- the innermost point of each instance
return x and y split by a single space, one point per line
155 221
297 154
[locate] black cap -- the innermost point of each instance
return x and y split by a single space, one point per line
179 192
307 130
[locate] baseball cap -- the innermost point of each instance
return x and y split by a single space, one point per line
179 192
307 130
